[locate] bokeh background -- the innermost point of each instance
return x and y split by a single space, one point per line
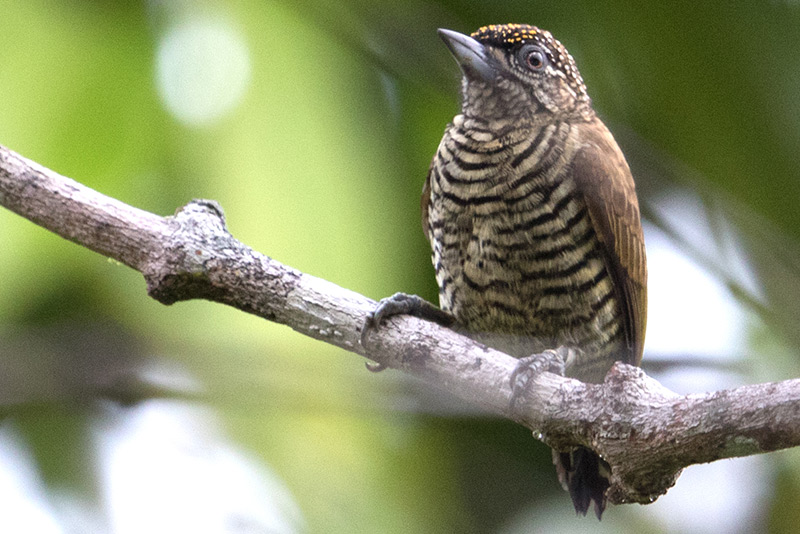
313 123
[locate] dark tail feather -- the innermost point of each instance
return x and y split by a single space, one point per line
584 474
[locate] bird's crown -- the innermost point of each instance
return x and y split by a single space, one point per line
515 36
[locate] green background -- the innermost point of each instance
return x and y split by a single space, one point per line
319 163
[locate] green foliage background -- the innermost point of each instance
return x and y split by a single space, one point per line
320 166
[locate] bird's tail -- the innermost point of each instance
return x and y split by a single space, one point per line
585 476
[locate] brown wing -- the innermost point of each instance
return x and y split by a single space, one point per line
605 179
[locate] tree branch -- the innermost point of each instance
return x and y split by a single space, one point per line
645 432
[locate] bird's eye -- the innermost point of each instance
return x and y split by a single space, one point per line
533 57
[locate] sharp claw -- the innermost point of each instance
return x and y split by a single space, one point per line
385 308
369 324
374 367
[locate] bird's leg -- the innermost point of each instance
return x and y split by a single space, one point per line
552 361
403 304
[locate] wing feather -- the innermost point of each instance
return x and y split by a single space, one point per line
604 178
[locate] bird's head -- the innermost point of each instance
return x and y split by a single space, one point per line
517 72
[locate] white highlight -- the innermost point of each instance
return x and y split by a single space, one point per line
202 70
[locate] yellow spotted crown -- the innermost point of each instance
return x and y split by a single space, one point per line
510 36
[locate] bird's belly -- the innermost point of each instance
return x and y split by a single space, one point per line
528 282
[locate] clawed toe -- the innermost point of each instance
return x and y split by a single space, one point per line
397 304
404 304
551 361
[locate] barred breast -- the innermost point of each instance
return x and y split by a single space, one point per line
517 259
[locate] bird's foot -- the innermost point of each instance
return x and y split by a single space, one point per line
404 304
551 361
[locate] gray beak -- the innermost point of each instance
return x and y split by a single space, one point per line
471 55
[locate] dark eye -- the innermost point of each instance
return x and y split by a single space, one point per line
533 57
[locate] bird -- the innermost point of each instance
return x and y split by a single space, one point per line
532 215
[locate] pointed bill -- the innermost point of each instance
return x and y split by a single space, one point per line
471 55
